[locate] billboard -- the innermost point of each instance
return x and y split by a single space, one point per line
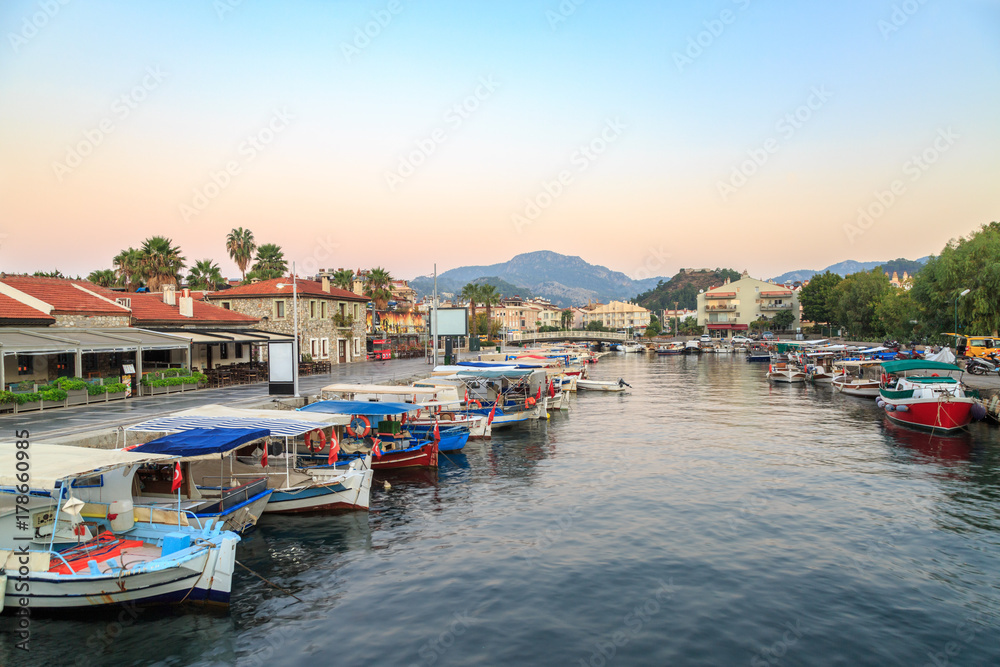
450 322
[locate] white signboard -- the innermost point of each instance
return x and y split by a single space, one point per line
281 361
450 322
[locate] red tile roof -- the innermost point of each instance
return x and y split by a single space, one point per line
148 308
309 288
64 295
12 310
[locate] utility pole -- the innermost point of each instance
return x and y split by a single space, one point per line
434 316
295 311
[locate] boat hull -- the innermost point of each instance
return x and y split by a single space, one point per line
930 415
425 456
859 389
329 491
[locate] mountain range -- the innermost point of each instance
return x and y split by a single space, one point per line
562 279
850 266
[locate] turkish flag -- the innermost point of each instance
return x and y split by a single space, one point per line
263 459
552 389
539 397
334 448
437 432
493 412
178 477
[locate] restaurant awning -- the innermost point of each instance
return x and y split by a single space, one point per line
729 326
70 340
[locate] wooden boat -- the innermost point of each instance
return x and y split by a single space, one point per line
670 349
81 502
787 373
852 377
914 393
601 385
692 347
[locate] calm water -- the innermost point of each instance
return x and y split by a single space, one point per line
706 518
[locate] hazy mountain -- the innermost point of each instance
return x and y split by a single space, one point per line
850 266
562 279
683 289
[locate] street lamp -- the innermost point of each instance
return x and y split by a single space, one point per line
295 316
961 294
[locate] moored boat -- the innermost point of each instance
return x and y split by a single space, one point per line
915 393
853 378
602 385
787 373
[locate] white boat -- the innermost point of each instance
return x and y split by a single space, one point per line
105 558
601 385
633 347
853 378
692 347
783 372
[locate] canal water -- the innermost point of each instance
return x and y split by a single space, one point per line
704 518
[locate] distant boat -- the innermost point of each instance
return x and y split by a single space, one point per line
601 385
783 372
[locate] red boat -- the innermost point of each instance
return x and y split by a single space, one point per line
915 393
422 455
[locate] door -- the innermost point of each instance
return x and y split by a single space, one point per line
342 351
208 357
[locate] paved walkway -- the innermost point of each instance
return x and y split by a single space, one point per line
63 421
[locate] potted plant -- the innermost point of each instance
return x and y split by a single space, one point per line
52 397
26 401
115 391
75 388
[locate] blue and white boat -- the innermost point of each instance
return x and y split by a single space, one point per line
75 543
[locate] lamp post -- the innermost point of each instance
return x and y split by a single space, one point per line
960 295
295 320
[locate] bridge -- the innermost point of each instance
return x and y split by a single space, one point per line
578 336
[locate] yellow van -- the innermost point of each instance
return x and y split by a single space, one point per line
975 346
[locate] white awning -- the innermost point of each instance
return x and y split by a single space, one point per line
215 410
51 463
395 390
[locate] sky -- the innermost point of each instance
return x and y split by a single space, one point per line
642 136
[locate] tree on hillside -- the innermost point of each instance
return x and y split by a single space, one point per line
205 275
103 278
971 263
160 263
269 263
344 279
378 287
240 245
856 298
897 317
817 305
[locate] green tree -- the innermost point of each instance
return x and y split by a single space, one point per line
344 279
378 287
817 306
160 263
205 275
856 299
566 319
654 328
783 320
471 293
240 245
895 315
489 296
103 278
689 326
54 273
128 268
595 325
269 263
971 263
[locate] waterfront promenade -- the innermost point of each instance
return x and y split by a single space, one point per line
65 421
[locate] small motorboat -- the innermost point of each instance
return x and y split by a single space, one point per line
783 372
914 393
602 385
852 378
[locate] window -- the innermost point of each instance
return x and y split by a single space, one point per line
228 305
124 302
279 310
239 350
357 347
322 310
324 348
343 309
314 347
224 351
25 364
312 309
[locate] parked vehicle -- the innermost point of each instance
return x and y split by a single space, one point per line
977 366
740 340
767 335
975 346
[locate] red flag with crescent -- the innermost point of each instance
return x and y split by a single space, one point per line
493 412
334 448
178 477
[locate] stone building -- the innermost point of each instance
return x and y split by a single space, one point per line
331 320
70 303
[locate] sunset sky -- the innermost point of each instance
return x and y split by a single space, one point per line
642 136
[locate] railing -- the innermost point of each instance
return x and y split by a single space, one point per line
518 336
775 306
721 307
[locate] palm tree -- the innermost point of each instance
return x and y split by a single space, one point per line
566 319
128 268
103 278
472 293
240 246
161 262
489 297
378 287
344 279
205 274
270 262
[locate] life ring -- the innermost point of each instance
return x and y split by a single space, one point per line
359 426
322 441
530 401
476 403
934 375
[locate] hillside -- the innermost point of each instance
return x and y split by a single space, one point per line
683 289
850 266
565 280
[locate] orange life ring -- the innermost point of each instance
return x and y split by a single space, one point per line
934 375
322 441
530 401
476 403
359 426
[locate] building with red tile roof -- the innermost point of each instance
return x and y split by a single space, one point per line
15 313
69 302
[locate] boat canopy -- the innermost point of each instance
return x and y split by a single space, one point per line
497 372
278 427
215 410
400 390
366 408
51 463
917 365
202 443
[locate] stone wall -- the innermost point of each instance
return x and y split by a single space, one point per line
95 321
